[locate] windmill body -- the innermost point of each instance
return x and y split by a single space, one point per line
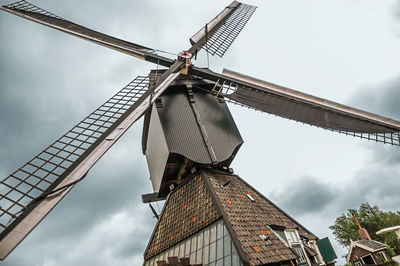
186 127
190 140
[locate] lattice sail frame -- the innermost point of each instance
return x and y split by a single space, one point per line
219 33
221 40
37 178
28 7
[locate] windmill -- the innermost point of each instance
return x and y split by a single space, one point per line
222 84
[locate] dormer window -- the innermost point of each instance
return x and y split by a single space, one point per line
292 237
294 241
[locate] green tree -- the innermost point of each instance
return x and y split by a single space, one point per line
372 219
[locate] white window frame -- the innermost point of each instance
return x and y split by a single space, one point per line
296 242
358 263
312 244
383 255
367 256
292 232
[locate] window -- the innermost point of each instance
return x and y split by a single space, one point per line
314 247
294 242
211 246
382 256
299 251
368 259
357 263
281 235
292 236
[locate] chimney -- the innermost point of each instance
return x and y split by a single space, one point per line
362 232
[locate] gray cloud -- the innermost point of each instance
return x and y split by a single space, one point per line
385 155
307 195
109 194
382 98
111 189
132 244
396 10
46 88
374 185
377 183
50 80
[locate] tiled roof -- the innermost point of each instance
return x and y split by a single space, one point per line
250 219
366 245
187 210
371 244
247 214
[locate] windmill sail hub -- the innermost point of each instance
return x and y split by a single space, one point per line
185 127
185 56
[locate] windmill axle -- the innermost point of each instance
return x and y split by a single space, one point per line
185 56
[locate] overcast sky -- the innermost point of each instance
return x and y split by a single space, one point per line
346 51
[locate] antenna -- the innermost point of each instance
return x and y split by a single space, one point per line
355 219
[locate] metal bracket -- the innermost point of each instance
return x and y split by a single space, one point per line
156 215
152 197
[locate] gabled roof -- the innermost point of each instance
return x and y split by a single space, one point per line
247 215
368 245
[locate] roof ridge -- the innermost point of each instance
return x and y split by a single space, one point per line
220 209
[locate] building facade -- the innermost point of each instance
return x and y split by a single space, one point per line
215 218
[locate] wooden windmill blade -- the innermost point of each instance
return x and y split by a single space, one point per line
287 103
33 190
31 12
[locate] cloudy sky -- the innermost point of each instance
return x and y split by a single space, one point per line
346 51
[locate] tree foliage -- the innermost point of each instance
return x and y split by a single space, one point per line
372 219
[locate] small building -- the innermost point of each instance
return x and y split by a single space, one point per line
215 218
366 251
